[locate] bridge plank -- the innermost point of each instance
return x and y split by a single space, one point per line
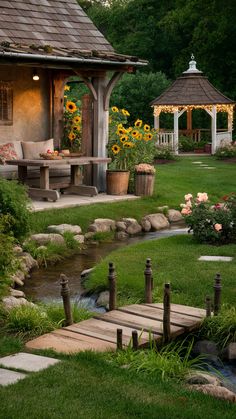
182 309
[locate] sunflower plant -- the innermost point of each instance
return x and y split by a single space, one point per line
72 122
129 145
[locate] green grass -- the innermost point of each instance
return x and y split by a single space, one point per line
88 387
174 260
172 182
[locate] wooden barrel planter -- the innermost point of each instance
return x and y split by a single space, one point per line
144 184
117 182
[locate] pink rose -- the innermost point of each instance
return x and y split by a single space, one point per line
188 197
218 227
186 211
202 197
188 204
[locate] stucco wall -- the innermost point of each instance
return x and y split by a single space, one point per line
31 105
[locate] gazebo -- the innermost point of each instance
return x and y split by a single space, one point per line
190 91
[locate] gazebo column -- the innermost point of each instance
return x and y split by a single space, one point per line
230 124
176 131
156 121
213 129
189 120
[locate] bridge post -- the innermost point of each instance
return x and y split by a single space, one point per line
112 287
65 293
148 282
166 313
119 343
217 294
208 306
135 340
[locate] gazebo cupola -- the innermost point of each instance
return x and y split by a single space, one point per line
192 90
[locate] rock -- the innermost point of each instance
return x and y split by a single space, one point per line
43 238
28 262
79 238
89 235
18 278
85 273
17 249
146 225
162 209
229 352
158 221
61 228
202 378
120 226
16 293
101 225
174 216
216 391
11 302
103 299
121 235
132 226
207 348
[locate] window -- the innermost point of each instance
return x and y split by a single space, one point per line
6 103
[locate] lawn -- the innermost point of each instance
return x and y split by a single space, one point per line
86 386
172 182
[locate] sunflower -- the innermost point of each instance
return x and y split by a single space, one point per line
123 138
128 144
67 87
119 126
125 112
76 128
129 129
147 137
71 136
134 133
71 107
121 131
77 119
140 136
115 148
114 109
138 123
146 127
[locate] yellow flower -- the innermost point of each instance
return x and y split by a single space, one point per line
125 112
76 128
65 97
140 136
147 137
71 107
115 148
138 123
114 109
77 119
129 129
119 126
121 131
123 138
71 136
134 133
146 127
66 87
128 144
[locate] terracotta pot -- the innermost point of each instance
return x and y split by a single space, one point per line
117 182
144 184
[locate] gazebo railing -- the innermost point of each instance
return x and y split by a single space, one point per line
165 139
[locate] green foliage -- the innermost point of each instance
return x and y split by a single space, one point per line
56 314
186 144
10 344
71 243
164 152
171 361
14 203
7 256
222 328
226 152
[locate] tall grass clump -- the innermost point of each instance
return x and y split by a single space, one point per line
171 361
222 328
56 314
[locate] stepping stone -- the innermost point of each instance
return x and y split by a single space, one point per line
216 258
27 362
10 377
209 167
196 162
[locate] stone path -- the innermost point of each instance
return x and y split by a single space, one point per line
216 258
24 362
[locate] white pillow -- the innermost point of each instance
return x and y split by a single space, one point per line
33 149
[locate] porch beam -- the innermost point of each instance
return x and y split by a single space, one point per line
110 86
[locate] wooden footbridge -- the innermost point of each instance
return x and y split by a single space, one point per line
136 324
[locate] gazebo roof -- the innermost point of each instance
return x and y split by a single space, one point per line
191 88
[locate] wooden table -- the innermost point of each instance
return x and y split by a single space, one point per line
46 190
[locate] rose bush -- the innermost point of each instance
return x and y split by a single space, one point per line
214 224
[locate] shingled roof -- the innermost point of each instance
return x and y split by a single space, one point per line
191 88
52 28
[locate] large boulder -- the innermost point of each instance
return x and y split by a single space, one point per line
216 391
43 238
28 262
158 221
102 225
174 216
79 238
18 278
200 377
11 302
121 226
17 293
132 226
62 228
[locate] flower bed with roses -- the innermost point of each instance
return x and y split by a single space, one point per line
214 224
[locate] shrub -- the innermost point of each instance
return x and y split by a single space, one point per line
226 152
186 143
13 202
215 224
7 256
221 329
164 152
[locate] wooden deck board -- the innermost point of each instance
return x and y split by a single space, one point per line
99 333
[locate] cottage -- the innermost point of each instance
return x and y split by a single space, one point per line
42 44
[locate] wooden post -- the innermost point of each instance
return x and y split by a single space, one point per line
135 340
217 294
119 343
65 293
166 313
148 282
112 287
208 306
87 143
